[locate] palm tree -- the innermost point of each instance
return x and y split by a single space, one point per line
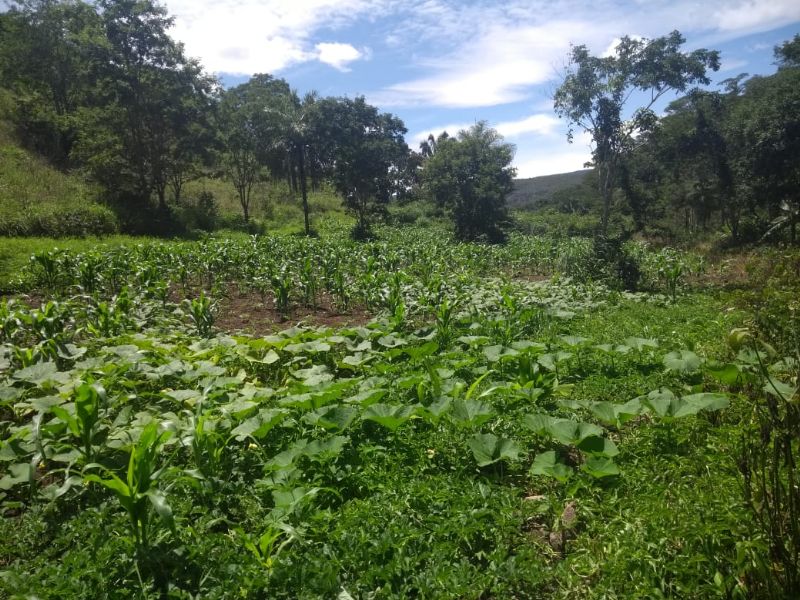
294 134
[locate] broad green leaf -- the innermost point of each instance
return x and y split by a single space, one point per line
568 432
604 412
40 373
727 373
495 353
435 410
332 417
661 401
285 459
640 344
259 425
599 467
367 397
389 416
17 473
326 448
314 376
574 340
777 388
288 500
188 397
682 361
391 341
487 448
693 404
547 464
417 352
471 413
595 444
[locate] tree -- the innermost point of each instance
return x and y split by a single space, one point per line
44 59
295 131
139 128
767 125
595 93
249 131
787 55
369 152
471 175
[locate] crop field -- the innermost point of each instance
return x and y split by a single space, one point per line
285 417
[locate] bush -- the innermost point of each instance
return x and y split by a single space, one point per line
615 265
50 221
200 213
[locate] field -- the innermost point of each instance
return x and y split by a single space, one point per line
287 417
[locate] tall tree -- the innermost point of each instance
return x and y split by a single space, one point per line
250 130
368 150
595 93
471 175
145 104
294 130
767 125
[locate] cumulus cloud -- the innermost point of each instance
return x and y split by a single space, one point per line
242 37
338 55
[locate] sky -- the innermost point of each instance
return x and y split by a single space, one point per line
446 64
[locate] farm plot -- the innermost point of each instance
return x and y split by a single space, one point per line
470 440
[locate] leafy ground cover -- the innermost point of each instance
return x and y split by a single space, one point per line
470 433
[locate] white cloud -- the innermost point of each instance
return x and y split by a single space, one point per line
555 156
612 47
756 15
732 64
540 124
497 67
338 55
242 37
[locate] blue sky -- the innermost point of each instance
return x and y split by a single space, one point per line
445 64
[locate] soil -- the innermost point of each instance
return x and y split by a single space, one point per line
250 313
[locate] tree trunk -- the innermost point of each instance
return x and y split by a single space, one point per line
162 197
303 189
606 192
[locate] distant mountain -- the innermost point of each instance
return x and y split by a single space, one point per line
528 193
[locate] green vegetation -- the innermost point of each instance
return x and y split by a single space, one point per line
481 434
328 385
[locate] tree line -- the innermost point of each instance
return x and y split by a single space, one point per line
715 159
102 88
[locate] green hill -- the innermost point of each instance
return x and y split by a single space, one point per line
38 199
528 193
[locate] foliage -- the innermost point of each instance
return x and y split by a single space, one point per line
470 174
595 91
530 422
368 150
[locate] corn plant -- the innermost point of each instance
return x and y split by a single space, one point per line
445 323
203 311
308 283
138 491
282 285
49 265
85 424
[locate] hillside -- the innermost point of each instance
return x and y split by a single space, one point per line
38 199
530 192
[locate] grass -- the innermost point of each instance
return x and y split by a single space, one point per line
38 199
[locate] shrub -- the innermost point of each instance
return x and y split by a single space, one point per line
50 221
